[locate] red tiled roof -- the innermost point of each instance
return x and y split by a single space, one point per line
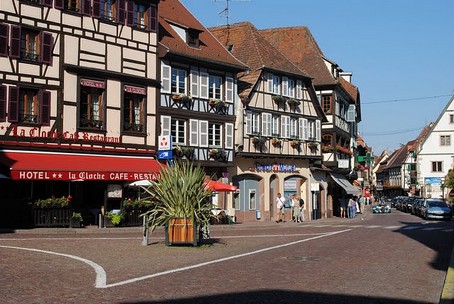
250 47
350 89
210 50
298 44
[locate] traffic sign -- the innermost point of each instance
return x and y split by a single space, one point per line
165 154
164 142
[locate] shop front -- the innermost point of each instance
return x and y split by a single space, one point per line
259 183
93 184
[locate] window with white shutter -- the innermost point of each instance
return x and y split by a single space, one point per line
299 89
305 129
276 85
351 113
229 86
285 86
204 84
285 126
293 127
301 128
165 125
194 83
266 124
318 130
253 123
291 88
275 126
270 83
194 132
165 75
229 132
203 132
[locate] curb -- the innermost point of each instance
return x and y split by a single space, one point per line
447 294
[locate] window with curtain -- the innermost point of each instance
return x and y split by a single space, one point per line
133 109
91 110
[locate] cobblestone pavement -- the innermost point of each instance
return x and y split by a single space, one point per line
111 265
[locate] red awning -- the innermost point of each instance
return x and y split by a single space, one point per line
220 186
65 167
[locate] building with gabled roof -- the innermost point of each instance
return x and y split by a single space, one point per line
278 127
338 97
435 156
199 95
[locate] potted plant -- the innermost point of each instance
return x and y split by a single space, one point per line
295 143
293 102
312 145
213 153
76 220
259 141
177 151
181 203
115 217
278 98
188 152
276 142
180 97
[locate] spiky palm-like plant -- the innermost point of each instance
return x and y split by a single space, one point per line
180 193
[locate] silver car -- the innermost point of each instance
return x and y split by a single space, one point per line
435 209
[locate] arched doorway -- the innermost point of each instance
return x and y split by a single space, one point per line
274 190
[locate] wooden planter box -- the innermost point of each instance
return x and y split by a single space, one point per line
181 231
51 217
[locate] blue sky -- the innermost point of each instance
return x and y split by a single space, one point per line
401 53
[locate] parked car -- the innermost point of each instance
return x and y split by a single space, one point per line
435 209
416 207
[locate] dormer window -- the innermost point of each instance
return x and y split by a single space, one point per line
189 35
193 38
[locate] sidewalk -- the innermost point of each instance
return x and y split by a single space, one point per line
138 229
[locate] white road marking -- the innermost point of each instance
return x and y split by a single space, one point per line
392 227
221 260
100 281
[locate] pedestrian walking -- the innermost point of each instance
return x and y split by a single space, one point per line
351 207
301 209
293 206
343 202
280 215
362 201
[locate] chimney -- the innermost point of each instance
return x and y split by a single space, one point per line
347 76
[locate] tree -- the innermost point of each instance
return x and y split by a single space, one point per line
449 179
180 193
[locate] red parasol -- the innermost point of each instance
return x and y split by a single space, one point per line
220 186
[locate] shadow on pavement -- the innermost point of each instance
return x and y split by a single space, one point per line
281 296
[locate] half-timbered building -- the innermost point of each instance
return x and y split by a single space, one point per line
78 89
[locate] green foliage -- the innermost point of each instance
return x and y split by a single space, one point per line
136 204
449 179
115 218
180 193
77 216
53 202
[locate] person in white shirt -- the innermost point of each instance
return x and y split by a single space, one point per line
280 201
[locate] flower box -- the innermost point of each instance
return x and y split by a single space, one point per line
181 231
